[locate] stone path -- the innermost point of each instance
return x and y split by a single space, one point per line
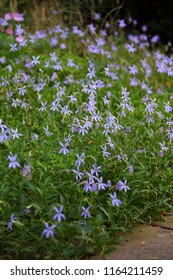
146 242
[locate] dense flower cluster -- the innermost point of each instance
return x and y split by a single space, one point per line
83 116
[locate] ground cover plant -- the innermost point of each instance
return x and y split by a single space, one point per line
86 135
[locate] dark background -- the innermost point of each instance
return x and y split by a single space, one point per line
158 15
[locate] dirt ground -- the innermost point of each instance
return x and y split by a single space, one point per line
144 242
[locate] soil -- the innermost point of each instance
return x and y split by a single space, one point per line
146 242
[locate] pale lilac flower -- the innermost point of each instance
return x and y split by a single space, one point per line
3 22
111 145
122 23
13 47
80 159
155 39
59 215
96 169
35 60
57 66
79 175
131 169
65 111
100 184
64 149
168 108
92 28
133 82
48 231
131 48
54 106
87 186
70 62
109 183
163 147
115 200
105 100
160 154
105 153
107 72
19 30
53 41
63 46
12 219
93 187
144 28
43 108
83 130
133 69
4 135
46 129
97 16
35 136
2 125
13 163
15 134
122 186
22 90
15 102
85 212
68 139
91 73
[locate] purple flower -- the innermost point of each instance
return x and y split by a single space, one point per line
131 169
64 149
79 175
15 134
35 60
105 153
12 219
80 159
96 169
97 16
115 200
59 215
26 170
48 231
122 186
109 183
160 154
130 48
122 24
87 186
13 163
101 185
85 212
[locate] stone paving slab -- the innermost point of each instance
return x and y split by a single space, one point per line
167 223
146 242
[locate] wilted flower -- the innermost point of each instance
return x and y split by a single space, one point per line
26 172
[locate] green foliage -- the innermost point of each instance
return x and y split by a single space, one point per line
52 181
